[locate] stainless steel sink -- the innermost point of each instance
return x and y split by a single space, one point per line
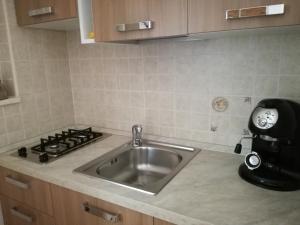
147 168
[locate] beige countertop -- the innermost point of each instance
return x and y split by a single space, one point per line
208 191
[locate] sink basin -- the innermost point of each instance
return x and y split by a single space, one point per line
147 168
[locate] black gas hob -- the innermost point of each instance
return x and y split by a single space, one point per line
59 144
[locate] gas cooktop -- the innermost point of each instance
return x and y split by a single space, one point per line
59 144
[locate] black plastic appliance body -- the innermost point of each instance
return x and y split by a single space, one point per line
275 125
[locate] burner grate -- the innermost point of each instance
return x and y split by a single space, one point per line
65 142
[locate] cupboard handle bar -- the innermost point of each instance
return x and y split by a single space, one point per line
268 10
14 211
142 25
105 215
16 183
40 11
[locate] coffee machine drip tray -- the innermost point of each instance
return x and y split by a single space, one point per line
269 179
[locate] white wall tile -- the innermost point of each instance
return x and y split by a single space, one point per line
290 63
266 86
289 86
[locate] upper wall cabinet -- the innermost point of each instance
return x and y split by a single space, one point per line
32 12
222 15
122 20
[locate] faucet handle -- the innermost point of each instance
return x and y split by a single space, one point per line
137 128
137 135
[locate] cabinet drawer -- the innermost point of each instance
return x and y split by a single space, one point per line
161 222
38 11
26 189
73 208
15 213
119 20
206 16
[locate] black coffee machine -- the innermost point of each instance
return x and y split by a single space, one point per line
274 160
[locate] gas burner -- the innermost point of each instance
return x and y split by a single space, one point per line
81 136
60 144
54 146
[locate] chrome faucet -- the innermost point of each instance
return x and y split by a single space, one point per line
137 135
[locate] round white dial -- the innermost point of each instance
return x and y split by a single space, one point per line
265 118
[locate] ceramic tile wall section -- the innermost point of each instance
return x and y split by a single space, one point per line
168 85
5 64
43 78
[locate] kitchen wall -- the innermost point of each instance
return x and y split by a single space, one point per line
5 62
43 78
168 85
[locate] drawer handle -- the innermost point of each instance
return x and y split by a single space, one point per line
16 183
142 25
14 211
107 216
268 10
40 11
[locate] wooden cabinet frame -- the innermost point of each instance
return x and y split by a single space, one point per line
169 18
60 10
210 16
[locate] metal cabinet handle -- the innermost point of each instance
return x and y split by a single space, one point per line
268 10
14 211
40 11
142 25
17 183
110 217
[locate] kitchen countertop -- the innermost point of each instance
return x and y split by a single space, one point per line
208 191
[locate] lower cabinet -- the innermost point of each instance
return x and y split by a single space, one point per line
26 200
16 213
73 208
28 190
161 222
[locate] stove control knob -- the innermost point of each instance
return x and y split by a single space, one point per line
22 152
43 157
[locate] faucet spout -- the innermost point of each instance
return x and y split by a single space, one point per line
137 135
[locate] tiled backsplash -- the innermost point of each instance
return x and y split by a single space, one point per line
169 85
43 78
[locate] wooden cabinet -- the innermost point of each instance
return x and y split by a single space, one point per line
16 213
26 200
125 20
119 20
25 189
207 16
161 222
73 208
39 11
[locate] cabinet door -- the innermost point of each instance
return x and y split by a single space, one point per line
168 17
161 222
73 208
16 213
206 16
68 208
25 189
38 11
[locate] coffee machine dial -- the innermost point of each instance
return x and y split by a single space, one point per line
264 118
252 160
